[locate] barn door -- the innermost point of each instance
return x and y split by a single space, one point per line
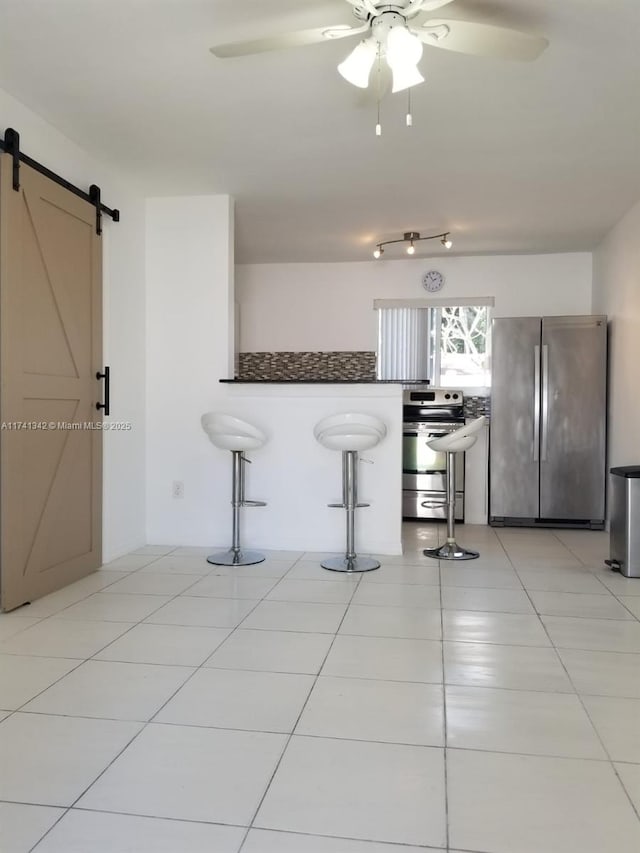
50 351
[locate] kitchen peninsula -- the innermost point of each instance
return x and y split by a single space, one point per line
298 477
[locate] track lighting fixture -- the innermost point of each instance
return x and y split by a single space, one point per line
412 237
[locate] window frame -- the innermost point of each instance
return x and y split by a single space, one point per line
434 332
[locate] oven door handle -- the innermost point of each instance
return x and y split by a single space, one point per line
426 436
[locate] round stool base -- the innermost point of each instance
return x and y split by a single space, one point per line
355 564
451 551
236 558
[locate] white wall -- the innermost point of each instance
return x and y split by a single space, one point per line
189 348
329 306
124 317
616 292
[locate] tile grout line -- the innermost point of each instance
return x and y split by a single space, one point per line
171 600
591 723
81 661
444 718
576 692
229 635
142 728
600 739
295 725
70 807
335 635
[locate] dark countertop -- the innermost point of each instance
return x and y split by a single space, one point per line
326 381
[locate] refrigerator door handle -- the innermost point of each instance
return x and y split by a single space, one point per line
536 402
545 402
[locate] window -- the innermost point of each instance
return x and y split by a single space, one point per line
461 345
448 344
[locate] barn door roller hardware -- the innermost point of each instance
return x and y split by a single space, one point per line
11 144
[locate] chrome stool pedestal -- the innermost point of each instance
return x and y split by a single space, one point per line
230 433
350 433
451 550
350 562
452 443
236 556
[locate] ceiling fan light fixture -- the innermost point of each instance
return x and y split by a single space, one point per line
403 46
356 68
405 78
404 51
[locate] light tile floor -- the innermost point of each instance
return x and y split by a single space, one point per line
164 705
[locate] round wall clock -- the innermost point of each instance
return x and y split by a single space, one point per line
433 281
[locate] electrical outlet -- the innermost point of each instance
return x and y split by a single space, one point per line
177 490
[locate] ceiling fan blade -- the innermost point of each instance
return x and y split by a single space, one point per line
432 5
297 39
481 39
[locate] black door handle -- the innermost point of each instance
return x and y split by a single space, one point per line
107 390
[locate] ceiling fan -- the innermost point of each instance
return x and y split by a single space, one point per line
397 32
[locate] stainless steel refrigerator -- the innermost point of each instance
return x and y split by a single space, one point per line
548 421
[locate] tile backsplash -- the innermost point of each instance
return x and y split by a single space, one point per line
319 366
353 365
476 406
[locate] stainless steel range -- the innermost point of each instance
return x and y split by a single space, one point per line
429 413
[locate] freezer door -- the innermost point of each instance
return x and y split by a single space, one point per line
515 404
573 418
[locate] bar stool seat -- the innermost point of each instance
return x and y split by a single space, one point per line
349 433
230 433
346 419
454 442
349 437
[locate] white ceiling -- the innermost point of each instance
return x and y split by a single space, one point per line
510 157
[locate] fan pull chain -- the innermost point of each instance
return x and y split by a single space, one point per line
409 115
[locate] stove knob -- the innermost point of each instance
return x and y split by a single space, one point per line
455 396
447 396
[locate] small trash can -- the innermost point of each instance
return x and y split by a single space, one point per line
624 540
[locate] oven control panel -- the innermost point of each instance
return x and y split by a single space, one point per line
433 397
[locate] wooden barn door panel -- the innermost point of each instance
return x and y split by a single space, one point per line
50 351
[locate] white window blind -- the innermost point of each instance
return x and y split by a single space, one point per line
403 343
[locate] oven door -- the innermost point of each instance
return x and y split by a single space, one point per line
425 469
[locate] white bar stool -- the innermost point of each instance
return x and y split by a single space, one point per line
230 433
452 443
349 433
